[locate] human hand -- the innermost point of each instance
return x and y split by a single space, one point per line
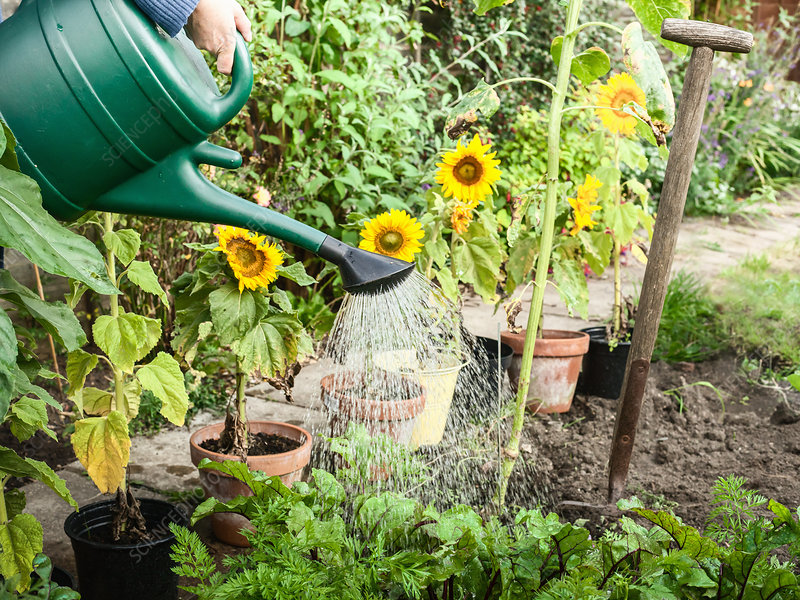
213 25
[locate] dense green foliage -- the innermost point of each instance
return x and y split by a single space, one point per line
689 329
340 120
760 309
42 587
317 541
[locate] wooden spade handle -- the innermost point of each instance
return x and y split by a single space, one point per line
711 35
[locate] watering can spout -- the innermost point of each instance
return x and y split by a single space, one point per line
176 189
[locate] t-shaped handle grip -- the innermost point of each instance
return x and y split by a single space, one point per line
710 35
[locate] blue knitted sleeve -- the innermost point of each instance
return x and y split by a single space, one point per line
170 14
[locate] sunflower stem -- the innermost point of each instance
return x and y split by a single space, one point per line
617 315
511 451
547 84
241 406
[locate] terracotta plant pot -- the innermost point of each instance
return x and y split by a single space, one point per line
556 365
287 465
395 418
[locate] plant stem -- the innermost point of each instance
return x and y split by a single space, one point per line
599 24
616 325
511 451
3 510
241 403
517 79
120 403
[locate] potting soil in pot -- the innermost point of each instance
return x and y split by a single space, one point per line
259 444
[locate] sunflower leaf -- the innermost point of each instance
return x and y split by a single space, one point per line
653 12
644 64
276 342
103 445
164 378
297 273
589 65
477 261
141 274
126 338
235 313
464 115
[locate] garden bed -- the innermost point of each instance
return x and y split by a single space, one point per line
678 454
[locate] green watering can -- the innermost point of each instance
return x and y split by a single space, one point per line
111 114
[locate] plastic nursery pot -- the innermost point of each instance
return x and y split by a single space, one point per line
343 395
286 465
603 366
124 571
479 398
556 365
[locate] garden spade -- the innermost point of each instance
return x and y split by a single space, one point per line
705 39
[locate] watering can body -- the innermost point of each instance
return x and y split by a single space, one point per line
112 114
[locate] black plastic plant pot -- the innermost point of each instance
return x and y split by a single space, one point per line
63 578
480 399
603 371
108 571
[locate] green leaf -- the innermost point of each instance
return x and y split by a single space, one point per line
297 273
598 246
794 380
646 68
8 157
124 244
27 416
15 502
571 284
464 115
777 581
332 75
7 388
653 12
588 66
132 392
21 540
55 317
102 444
687 538
622 220
164 378
449 285
342 30
28 228
79 365
92 401
273 344
8 341
477 261
126 338
13 464
141 273
233 313
484 6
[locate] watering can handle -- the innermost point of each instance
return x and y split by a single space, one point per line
228 105
176 189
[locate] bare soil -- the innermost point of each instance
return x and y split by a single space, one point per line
260 444
679 451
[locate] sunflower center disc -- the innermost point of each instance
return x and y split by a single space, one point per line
250 259
468 170
391 241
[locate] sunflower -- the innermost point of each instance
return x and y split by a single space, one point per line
394 233
461 217
619 90
583 205
254 261
469 173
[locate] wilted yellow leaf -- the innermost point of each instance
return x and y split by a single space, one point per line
103 446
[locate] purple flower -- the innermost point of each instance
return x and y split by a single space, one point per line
426 187
723 160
